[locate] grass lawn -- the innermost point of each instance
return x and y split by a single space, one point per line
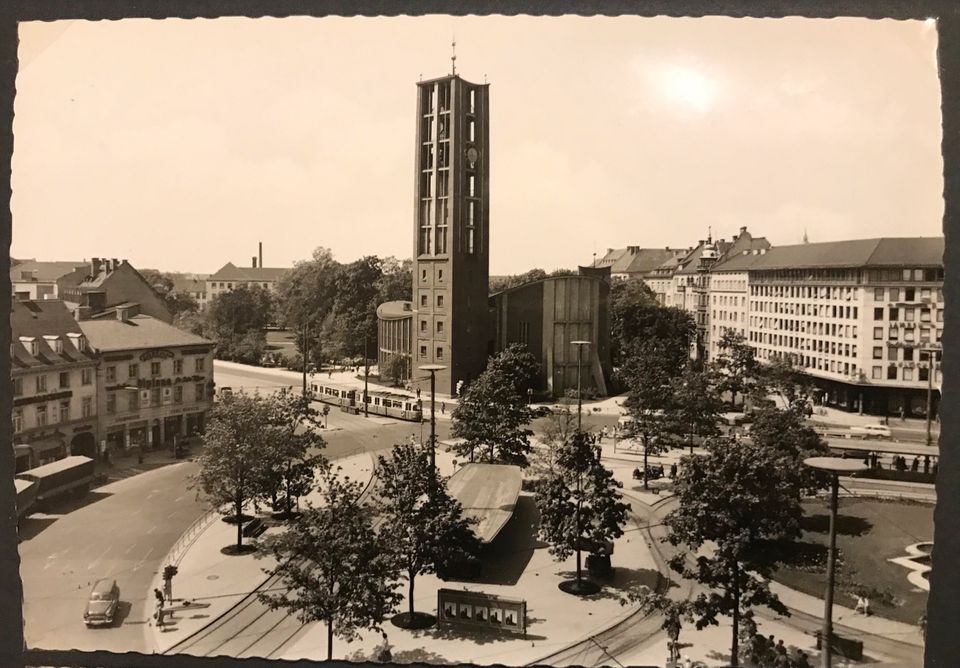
869 533
282 342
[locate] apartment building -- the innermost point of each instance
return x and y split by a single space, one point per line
54 384
863 318
33 280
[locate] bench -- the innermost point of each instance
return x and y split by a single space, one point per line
254 528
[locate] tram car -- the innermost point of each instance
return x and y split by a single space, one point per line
381 402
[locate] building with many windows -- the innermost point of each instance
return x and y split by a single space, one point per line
636 262
230 276
107 283
863 318
155 381
394 329
54 384
32 280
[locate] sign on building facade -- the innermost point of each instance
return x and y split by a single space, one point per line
480 610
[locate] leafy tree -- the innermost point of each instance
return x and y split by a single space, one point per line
785 433
163 284
635 316
518 365
649 372
236 320
333 566
306 295
493 415
231 461
396 280
579 503
673 612
396 369
783 378
423 527
558 428
739 501
501 283
737 368
352 331
291 460
696 406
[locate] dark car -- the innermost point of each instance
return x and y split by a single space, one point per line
102 605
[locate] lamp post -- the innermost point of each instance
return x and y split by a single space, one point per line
306 358
432 370
366 376
579 345
834 466
932 370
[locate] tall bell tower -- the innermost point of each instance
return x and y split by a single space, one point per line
451 255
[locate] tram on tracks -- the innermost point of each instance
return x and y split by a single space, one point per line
379 402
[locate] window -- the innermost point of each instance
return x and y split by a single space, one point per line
41 384
894 314
86 407
111 374
439 353
200 391
907 373
423 325
64 379
878 294
155 396
17 387
925 315
908 314
86 377
177 367
111 402
923 373
423 300
423 352
17 420
877 353
439 326
909 294
133 371
877 373
154 368
925 293
440 275
439 301
878 314
906 274
891 372
908 354
877 333
65 411
178 394
423 275
198 365
894 294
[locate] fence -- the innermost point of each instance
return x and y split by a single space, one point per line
187 538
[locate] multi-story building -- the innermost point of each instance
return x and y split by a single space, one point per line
54 384
34 280
155 381
451 229
394 341
107 283
862 318
193 286
636 262
230 276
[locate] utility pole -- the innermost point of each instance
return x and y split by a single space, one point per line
432 370
366 376
306 359
931 356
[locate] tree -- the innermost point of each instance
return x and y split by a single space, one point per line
164 284
396 281
423 527
306 295
784 433
518 365
783 378
737 368
352 331
635 316
559 428
648 371
580 506
501 283
231 461
236 320
696 406
739 501
291 460
673 612
333 567
493 415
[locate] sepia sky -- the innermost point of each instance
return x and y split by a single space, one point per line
180 144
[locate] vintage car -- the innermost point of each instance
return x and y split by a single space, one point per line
102 605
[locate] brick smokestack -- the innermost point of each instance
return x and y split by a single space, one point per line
253 261
260 254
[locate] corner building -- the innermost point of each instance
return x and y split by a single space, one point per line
451 231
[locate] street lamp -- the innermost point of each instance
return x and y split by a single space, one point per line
579 345
932 370
834 466
432 370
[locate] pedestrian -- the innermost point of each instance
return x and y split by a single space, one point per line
418 393
330 373
916 464
158 595
926 463
673 471
802 660
903 415
781 649
443 408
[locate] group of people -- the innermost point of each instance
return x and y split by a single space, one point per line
899 463
767 652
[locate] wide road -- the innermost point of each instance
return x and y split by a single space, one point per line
122 531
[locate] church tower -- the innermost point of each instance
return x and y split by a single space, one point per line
451 255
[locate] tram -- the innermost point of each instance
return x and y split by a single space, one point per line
379 402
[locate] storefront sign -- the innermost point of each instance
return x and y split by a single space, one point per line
160 353
481 610
42 398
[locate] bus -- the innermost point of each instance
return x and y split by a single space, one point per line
379 402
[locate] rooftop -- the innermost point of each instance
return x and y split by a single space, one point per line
37 319
882 252
488 494
33 271
395 310
137 332
231 272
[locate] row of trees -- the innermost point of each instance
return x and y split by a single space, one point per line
738 508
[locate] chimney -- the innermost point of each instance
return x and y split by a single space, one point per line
82 313
94 266
743 230
253 260
260 254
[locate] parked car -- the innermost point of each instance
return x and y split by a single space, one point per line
103 603
871 431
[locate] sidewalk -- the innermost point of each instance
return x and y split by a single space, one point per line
518 567
218 581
